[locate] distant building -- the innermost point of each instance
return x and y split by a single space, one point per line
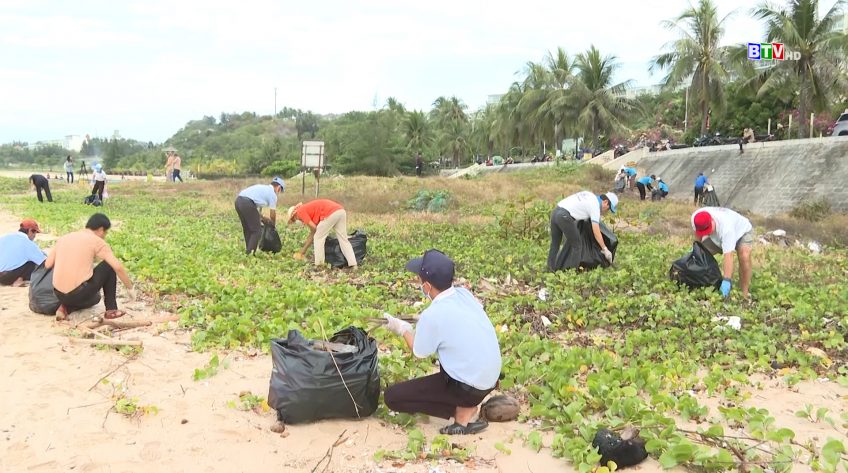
840 24
634 92
70 143
494 99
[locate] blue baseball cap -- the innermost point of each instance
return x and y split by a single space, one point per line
434 267
279 180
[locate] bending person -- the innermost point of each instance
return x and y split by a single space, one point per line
580 206
322 216
455 328
249 204
76 284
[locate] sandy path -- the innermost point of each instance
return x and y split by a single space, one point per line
53 417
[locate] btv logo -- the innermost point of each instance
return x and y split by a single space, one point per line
771 51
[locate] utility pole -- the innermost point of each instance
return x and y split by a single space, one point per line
275 103
686 117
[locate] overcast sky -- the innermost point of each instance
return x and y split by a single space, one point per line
145 68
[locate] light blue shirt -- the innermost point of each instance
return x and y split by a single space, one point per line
663 187
16 249
456 328
262 195
630 171
645 180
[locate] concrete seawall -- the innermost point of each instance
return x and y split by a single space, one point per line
768 178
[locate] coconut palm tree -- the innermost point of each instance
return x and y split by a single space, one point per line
600 104
452 123
417 131
697 54
820 70
558 107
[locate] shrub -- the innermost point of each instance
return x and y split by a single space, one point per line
284 169
812 210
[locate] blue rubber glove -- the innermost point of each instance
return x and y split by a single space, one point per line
725 287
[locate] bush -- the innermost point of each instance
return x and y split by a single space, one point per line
284 169
812 210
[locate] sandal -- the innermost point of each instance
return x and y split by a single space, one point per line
458 429
61 313
113 314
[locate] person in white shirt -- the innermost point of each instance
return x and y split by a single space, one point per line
725 231
583 205
69 170
19 255
457 330
99 176
249 203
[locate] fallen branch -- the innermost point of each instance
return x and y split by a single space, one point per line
99 321
87 341
329 455
110 373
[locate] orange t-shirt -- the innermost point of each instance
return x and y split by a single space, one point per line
73 259
317 210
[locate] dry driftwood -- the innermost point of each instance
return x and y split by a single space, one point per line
91 341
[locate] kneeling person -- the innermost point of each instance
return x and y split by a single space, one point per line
456 328
19 256
76 284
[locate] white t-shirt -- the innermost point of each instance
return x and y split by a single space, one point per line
457 329
99 176
729 227
583 205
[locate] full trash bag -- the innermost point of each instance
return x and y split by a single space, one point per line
306 385
270 239
42 300
333 252
697 269
710 198
587 254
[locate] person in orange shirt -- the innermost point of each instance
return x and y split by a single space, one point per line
76 284
321 216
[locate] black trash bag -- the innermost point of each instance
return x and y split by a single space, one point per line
42 300
270 239
710 198
587 254
697 269
92 199
305 383
333 252
625 450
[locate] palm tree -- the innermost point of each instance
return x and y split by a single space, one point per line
558 106
697 54
452 122
818 72
417 131
601 105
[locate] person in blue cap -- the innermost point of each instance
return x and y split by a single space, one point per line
643 183
249 204
580 206
457 330
99 176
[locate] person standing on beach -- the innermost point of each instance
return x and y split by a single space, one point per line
69 169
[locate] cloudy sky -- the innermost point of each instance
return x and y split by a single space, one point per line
145 68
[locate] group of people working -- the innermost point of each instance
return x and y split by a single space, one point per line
321 216
42 185
627 179
77 282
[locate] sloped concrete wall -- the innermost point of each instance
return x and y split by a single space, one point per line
768 178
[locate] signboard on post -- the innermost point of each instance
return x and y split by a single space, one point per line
312 159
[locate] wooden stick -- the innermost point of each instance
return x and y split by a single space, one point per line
97 322
86 341
109 373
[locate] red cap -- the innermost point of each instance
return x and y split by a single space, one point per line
703 223
30 224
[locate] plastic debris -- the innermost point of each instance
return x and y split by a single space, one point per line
546 321
814 247
543 294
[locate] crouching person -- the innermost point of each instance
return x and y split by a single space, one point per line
456 328
19 255
76 283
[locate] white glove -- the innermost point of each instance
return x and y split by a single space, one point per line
396 325
607 254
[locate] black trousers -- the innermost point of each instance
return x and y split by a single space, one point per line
436 395
176 175
699 195
562 225
87 294
251 223
641 188
24 272
98 188
43 185
70 177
